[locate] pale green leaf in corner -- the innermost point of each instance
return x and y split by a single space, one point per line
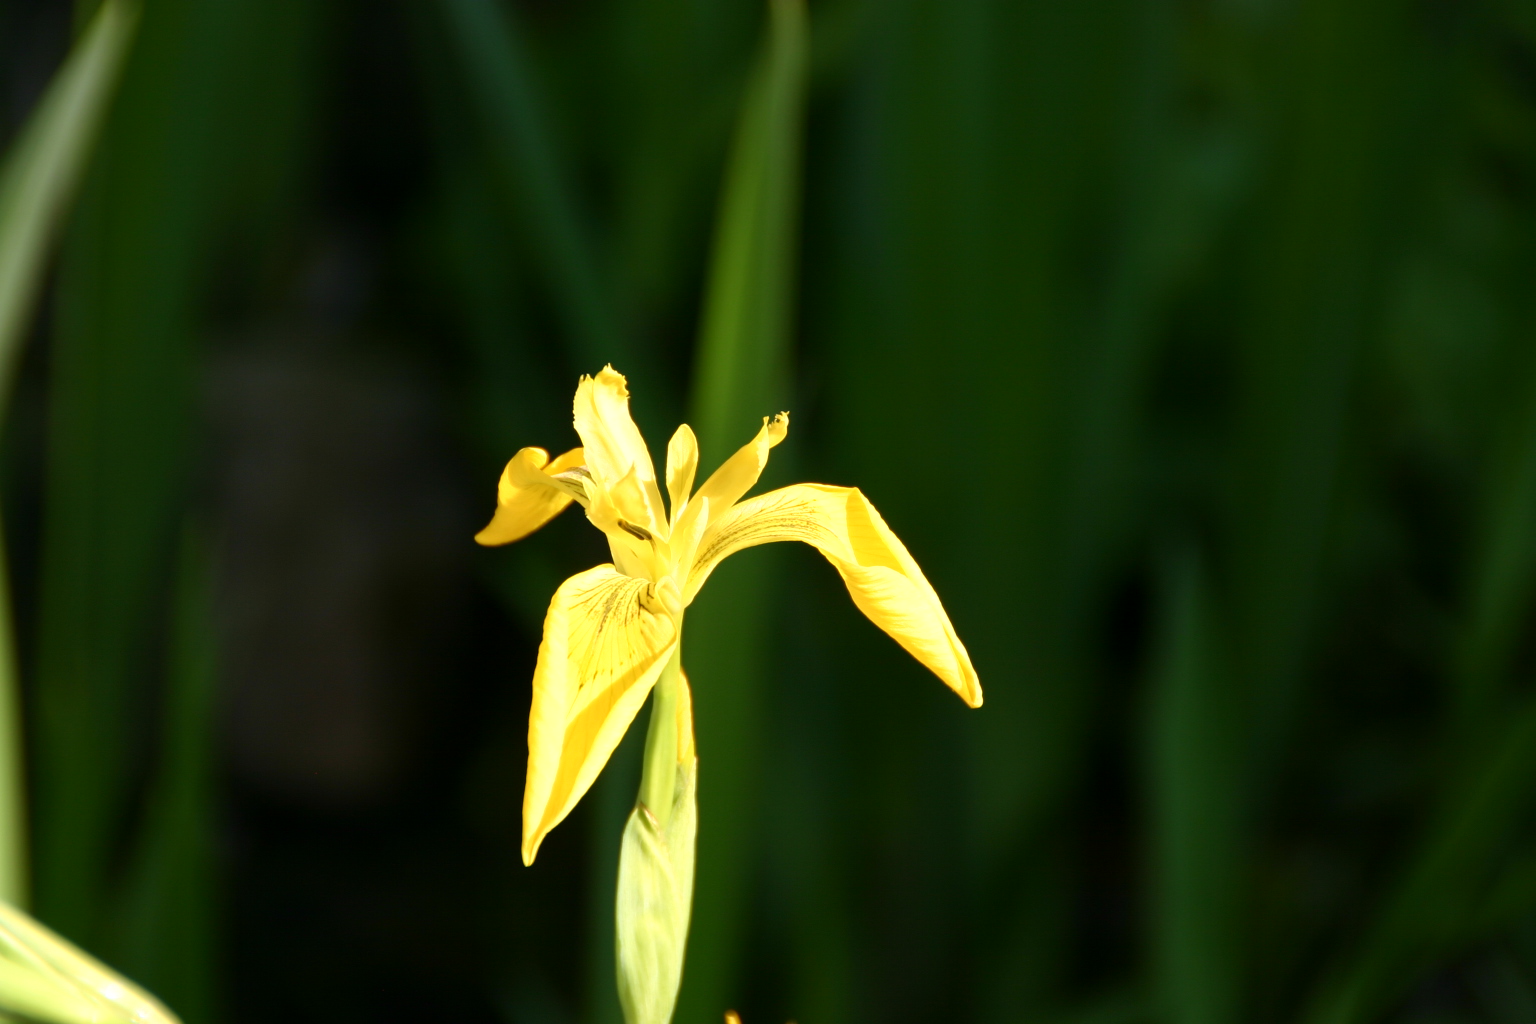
43 977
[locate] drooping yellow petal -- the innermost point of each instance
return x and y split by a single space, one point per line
682 464
738 473
526 497
883 579
616 453
607 637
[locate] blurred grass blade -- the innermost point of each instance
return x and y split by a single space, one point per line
167 926
1193 799
743 357
1503 574
539 185
1439 897
121 410
44 166
740 376
36 184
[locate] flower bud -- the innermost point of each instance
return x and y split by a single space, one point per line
655 898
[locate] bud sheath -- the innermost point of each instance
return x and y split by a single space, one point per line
655 892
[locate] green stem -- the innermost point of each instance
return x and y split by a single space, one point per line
658 781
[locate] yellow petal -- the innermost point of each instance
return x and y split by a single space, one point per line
738 473
883 579
526 498
606 639
682 463
616 453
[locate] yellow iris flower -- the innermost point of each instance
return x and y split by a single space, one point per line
611 630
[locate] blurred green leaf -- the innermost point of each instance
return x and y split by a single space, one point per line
1442 893
167 921
741 375
1193 724
44 165
37 183
502 85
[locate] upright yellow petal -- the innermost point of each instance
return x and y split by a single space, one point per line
883 579
607 637
616 453
526 497
738 473
682 464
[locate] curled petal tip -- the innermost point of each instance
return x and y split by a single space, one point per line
778 428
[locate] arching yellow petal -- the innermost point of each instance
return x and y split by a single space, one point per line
526 497
883 579
607 637
682 464
738 473
616 453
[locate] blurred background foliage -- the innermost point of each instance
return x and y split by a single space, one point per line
1190 346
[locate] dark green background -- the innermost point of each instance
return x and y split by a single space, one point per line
1189 346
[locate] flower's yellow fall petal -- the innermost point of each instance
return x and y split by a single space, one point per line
682 464
607 637
526 498
738 473
616 453
883 579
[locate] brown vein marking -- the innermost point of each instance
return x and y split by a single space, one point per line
638 532
798 519
603 616
600 618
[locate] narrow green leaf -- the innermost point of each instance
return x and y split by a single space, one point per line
743 354
1503 573
1442 898
167 928
539 185
121 410
1193 798
37 182
741 376
44 165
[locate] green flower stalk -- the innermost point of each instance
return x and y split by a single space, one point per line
612 636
